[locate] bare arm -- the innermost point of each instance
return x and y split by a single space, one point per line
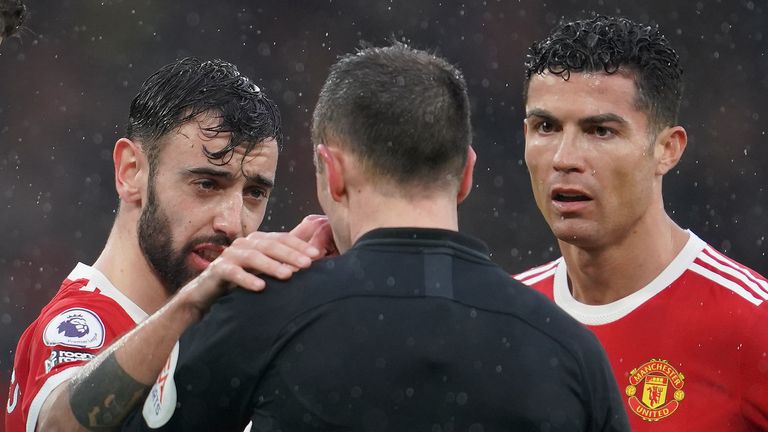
111 385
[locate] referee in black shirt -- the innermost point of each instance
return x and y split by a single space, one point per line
412 327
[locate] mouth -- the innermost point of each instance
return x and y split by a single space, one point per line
208 253
570 200
570 197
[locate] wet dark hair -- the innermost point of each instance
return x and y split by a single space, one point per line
609 44
13 13
403 112
180 91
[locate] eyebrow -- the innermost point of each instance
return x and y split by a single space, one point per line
538 112
591 120
603 118
258 179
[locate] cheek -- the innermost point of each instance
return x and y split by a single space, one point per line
536 165
631 187
252 218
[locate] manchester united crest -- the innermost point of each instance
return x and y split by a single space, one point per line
655 390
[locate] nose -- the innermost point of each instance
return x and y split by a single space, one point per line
569 155
228 219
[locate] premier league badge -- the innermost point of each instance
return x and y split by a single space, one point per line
76 327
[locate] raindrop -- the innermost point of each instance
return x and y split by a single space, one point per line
193 19
356 392
476 427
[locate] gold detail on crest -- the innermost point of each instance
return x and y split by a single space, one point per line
649 388
630 390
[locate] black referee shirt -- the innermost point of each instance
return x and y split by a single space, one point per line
410 330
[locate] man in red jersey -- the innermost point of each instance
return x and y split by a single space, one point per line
193 174
683 325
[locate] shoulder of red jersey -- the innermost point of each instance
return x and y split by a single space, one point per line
84 310
536 274
88 284
731 275
85 315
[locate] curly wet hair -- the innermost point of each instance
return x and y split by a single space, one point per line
178 92
609 45
13 13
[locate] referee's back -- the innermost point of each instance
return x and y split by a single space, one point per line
411 329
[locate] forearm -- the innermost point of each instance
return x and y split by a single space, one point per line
111 385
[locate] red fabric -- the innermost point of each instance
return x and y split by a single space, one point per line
712 337
32 352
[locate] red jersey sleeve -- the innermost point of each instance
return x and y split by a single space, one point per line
754 371
70 330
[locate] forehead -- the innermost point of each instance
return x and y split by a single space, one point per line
186 146
584 94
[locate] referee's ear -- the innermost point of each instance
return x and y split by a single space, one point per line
332 171
465 186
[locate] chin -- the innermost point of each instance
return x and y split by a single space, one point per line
575 233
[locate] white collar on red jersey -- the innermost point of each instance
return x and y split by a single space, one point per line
96 279
607 313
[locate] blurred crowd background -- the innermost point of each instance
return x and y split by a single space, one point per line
67 80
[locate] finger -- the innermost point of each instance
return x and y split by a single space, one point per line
247 280
323 240
219 277
287 249
254 261
286 239
308 226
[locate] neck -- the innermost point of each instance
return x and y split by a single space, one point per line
124 265
368 211
602 275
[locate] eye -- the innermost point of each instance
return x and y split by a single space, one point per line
205 184
255 194
545 127
603 132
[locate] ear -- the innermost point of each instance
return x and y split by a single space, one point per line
465 187
131 171
333 169
670 145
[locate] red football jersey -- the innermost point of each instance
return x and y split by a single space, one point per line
85 315
690 349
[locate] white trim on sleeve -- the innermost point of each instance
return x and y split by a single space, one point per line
51 383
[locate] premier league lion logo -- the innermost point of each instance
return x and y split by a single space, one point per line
74 326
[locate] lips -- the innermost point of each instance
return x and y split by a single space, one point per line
569 194
205 254
570 199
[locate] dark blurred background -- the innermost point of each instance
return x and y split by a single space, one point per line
67 81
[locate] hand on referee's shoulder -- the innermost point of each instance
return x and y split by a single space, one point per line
275 254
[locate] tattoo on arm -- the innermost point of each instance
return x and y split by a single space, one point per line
105 396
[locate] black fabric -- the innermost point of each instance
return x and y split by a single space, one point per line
410 330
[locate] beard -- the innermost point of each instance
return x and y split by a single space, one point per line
156 243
